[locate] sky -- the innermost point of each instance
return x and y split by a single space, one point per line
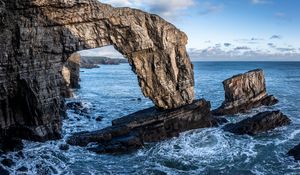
248 30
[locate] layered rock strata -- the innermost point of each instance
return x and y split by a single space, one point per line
71 74
244 92
37 38
149 125
259 123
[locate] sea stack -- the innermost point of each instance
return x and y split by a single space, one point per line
244 92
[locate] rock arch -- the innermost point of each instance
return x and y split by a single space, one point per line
37 36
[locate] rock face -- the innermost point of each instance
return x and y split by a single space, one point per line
261 122
149 125
38 36
244 92
71 73
295 152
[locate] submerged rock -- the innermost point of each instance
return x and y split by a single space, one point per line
261 122
295 152
99 118
8 162
63 147
149 125
22 169
244 92
3 171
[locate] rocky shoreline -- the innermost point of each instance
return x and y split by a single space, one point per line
149 125
39 68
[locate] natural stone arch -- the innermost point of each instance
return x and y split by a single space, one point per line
38 36
155 49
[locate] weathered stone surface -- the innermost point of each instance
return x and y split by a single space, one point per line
149 125
71 73
295 152
38 37
244 92
261 122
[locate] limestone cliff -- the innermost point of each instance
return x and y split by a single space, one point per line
38 36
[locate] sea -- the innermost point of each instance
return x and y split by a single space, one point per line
112 91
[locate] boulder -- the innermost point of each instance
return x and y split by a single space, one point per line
244 92
149 125
78 108
295 152
259 123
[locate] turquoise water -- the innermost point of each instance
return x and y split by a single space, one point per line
112 91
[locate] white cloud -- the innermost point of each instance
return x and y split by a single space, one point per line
241 49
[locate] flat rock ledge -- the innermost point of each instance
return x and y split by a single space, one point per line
149 125
244 92
259 123
295 152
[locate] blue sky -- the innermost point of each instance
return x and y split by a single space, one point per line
228 29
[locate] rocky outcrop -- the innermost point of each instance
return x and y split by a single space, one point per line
261 122
71 73
244 92
295 152
92 62
38 37
149 125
